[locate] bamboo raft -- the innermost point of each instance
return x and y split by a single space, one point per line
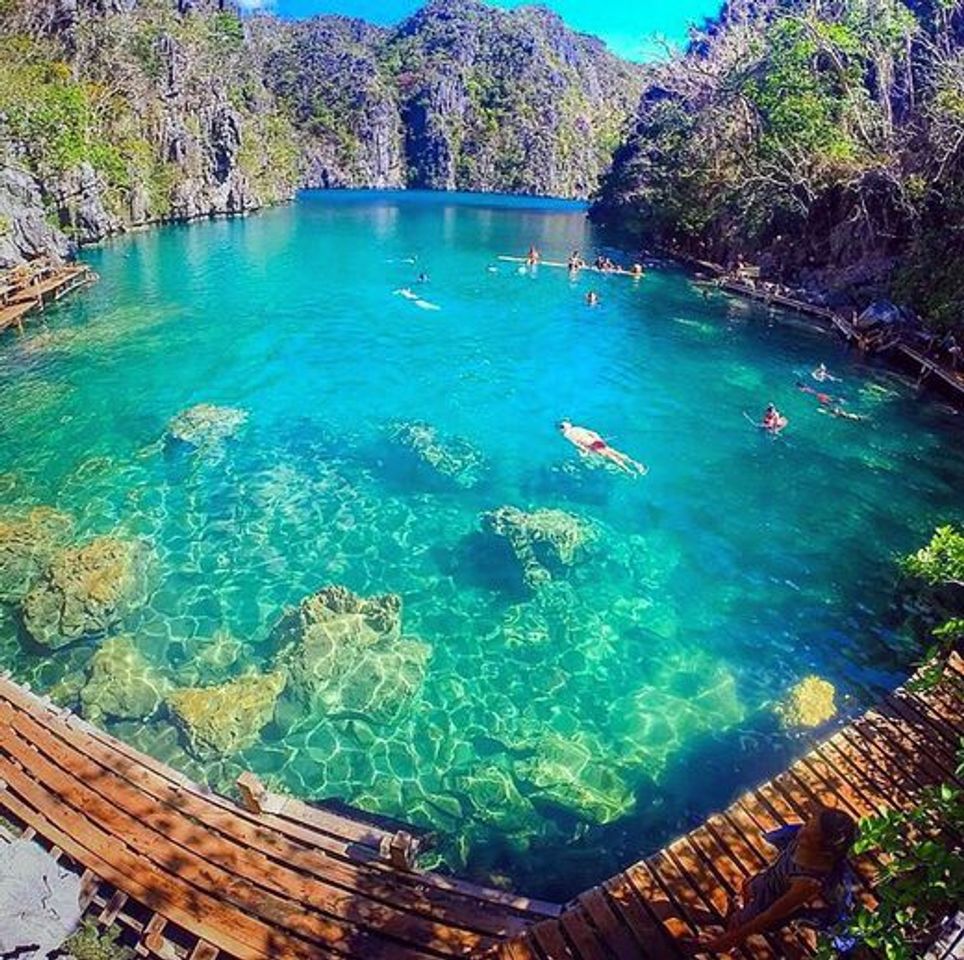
22 293
883 760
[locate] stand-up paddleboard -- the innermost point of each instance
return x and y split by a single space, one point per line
618 272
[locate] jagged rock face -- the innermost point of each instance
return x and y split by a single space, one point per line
543 541
27 545
121 684
85 591
220 721
344 656
24 231
211 115
459 96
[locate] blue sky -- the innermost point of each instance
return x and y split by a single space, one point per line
628 26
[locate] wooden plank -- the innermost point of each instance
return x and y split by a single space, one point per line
548 936
609 927
528 908
424 902
901 717
519 948
199 915
580 933
657 902
931 720
647 930
865 760
944 703
246 877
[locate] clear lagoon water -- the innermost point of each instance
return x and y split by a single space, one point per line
559 732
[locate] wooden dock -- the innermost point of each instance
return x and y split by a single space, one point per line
883 760
25 290
189 874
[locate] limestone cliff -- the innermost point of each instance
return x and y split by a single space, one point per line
115 113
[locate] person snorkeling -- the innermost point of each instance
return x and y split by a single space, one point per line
821 374
809 880
588 442
824 399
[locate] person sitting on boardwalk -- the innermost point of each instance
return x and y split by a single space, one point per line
809 881
589 442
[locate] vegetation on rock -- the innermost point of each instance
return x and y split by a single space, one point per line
113 114
821 140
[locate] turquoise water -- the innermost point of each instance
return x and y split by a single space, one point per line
560 731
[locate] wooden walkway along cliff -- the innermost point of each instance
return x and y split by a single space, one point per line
31 287
882 760
192 875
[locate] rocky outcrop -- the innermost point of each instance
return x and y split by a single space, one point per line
24 230
27 545
85 591
543 541
452 458
568 772
809 703
121 684
344 656
205 425
223 720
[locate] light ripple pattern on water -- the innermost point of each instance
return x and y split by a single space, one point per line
563 727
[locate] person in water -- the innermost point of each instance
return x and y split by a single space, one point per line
588 442
423 278
808 881
533 256
576 263
773 420
824 399
822 375
592 298
637 271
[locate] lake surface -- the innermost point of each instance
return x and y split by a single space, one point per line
563 728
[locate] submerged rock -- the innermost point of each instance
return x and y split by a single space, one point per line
451 457
808 704
27 545
222 720
85 590
344 655
543 541
567 772
494 797
205 425
121 684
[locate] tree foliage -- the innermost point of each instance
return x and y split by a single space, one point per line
824 139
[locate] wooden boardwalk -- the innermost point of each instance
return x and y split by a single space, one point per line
190 874
21 294
882 760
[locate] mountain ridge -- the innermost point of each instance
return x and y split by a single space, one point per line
119 113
